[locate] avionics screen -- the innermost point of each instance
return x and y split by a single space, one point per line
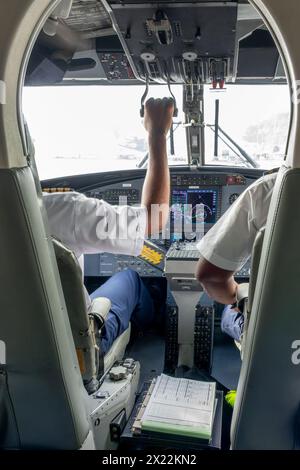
192 206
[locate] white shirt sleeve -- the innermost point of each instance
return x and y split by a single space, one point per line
88 225
228 245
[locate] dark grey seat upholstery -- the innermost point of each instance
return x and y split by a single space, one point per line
266 412
42 395
245 292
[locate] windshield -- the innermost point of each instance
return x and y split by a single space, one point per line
255 117
89 129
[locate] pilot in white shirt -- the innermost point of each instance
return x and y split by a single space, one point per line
228 245
88 225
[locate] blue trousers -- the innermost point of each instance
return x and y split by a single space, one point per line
130 302
232 323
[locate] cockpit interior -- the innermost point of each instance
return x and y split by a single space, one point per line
75 77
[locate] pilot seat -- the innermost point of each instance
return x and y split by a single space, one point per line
87 322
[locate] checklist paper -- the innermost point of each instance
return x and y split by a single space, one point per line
181 406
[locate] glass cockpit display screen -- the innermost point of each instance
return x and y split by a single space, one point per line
193 209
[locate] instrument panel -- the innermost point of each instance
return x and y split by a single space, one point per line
217 191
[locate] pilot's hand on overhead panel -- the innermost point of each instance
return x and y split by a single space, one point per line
158 116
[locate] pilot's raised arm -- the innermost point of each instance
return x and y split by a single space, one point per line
88 225
228 245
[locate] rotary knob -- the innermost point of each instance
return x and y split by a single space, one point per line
191 56
148 56
118 373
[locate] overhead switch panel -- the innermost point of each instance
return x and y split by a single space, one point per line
169 43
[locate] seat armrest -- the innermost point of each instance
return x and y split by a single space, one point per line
101 306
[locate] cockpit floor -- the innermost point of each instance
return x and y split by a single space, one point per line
149 350
226 363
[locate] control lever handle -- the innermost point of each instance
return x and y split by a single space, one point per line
145 94
143 99
175 114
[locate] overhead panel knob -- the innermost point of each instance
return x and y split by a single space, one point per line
191 56
148 56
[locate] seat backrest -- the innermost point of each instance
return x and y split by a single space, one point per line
266 411
42 398
82 324
255 261
42 403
